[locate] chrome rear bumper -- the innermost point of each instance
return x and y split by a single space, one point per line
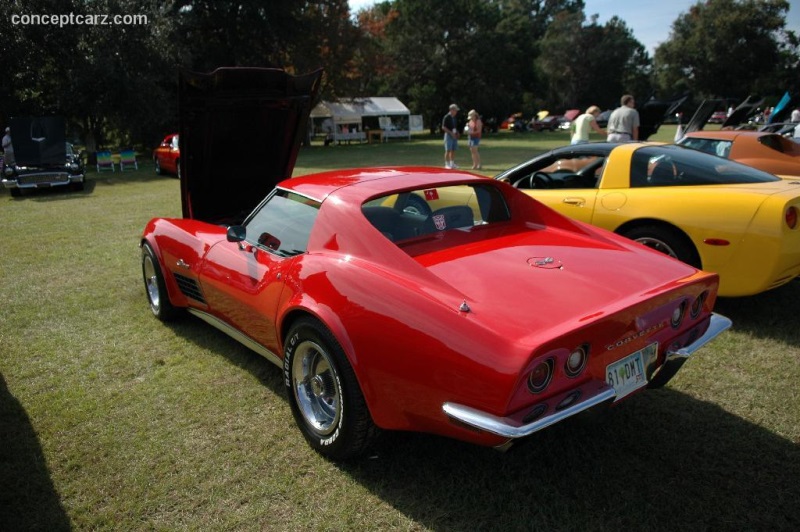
587 396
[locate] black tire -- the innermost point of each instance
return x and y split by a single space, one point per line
15 192
154 286
157 165
667 240
326 400
78 186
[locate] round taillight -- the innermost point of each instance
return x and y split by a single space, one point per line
791 217
540 377
677 315
576 361
697 304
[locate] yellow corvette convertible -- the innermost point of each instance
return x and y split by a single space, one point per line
707 211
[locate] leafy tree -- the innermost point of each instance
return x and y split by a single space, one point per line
120 90
727 48
563 60
372 61
117 84
525 23
479 53
102 78
31 57
295 35
588 64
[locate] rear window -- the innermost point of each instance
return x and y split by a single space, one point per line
664 166
414 214
720 148
780 144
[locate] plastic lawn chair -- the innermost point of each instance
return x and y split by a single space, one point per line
104 161
127 157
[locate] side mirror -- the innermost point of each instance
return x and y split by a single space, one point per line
236 233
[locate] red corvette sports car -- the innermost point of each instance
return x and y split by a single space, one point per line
411 298
167 156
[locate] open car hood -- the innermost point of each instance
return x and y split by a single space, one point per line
240 132
745 110
653 113
39 141
701 115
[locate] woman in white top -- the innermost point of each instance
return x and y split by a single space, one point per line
581 125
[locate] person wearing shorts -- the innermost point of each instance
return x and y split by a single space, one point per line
450 129
474 131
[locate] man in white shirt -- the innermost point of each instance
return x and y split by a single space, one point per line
623 124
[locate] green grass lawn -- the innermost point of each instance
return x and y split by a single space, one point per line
111 420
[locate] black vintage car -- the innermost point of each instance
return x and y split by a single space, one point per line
42 158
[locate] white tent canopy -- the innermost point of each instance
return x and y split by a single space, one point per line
354 115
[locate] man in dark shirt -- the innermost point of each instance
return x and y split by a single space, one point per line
450 128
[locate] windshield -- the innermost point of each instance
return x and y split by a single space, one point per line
718 147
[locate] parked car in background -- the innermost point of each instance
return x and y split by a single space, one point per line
376 290
516 122
167 156
770 152
712 213
718 117
547 123
602 118
569 116
43 159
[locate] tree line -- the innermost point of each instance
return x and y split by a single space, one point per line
116 83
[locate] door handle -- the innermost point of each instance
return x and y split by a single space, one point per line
183 264
578 202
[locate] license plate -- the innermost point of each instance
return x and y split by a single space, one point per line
628 375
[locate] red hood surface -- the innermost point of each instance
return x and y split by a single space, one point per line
240 132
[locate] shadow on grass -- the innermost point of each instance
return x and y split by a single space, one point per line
757 314
94 180
143 175
57 193
28 499
660 461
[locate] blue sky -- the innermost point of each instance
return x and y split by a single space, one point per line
650 20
